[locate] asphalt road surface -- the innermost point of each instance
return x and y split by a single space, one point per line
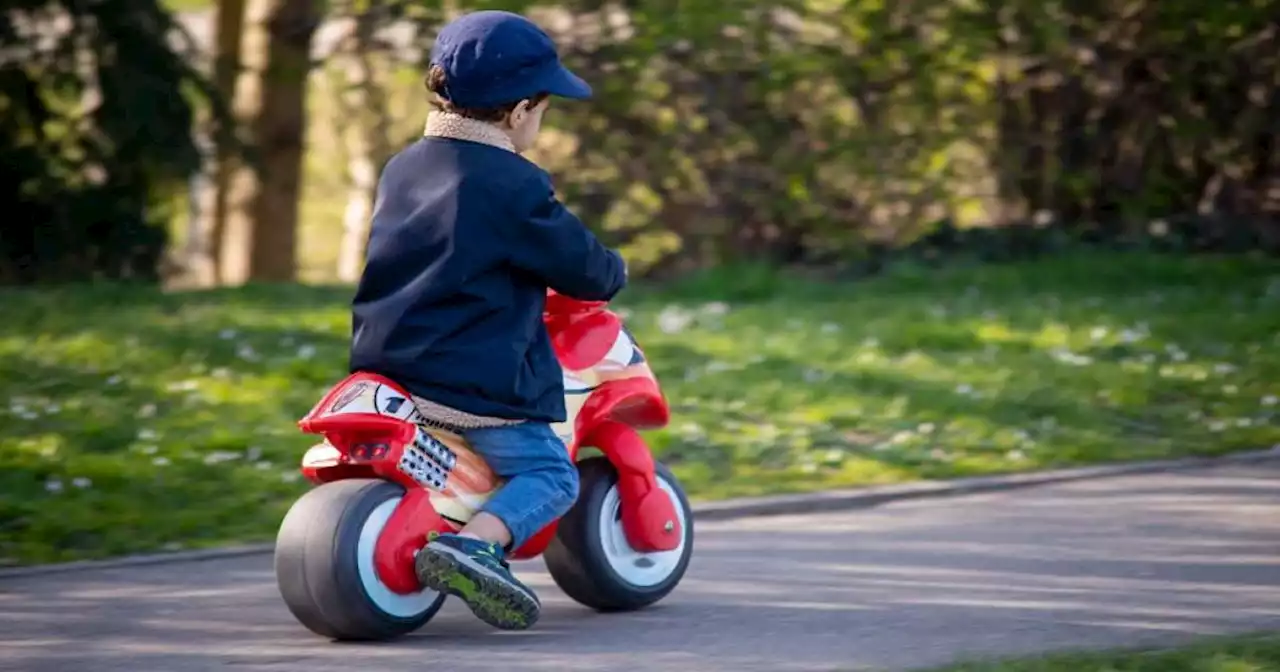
1126 561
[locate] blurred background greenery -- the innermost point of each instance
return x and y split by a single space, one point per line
874 241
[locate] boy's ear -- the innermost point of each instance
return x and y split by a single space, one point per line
518 113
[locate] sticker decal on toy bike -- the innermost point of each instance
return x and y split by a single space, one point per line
349 395
428 461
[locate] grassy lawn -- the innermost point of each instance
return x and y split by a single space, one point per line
1259 653
132 420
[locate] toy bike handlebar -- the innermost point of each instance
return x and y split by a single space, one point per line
559 304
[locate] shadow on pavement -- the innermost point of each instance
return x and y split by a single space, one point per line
1116 562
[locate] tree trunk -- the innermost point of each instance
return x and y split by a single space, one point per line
261 229
204 237
364 104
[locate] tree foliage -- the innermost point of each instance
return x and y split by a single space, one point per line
813 130
792 131
96 104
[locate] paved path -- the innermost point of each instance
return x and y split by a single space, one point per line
1122 561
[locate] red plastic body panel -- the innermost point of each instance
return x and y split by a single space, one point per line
623 396
648 514
405 533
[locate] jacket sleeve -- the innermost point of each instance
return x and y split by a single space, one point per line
551 243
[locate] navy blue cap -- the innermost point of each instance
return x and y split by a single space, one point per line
493 58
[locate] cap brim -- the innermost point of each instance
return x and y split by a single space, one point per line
563 83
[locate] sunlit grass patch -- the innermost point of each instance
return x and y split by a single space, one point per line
132 420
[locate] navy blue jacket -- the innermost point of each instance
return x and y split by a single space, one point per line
466 240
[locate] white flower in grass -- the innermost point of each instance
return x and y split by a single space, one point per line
148 450
1068 357
964 389
306 351
290 476
1244 422
1098 333
247 353
53 486
830 328
925 428
227 334
1270 400
253 453
147 411
145 434
160 461
262 465
184 385
871 342
1217 426
717 366
220 456
1230 389
1131 336
114 380
1015 455
673 320
715 308
1223 368
81 482
815 376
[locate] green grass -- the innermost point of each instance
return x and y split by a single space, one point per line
1257 653
132 420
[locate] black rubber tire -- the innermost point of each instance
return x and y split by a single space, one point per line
576 557
316 566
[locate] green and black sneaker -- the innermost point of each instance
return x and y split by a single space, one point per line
477 572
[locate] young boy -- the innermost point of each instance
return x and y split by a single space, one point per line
467 236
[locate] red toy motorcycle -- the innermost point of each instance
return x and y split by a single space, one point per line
345 550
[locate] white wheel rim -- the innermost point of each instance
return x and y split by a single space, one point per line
639 569
394 604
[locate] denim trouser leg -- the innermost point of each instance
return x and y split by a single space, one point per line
542 482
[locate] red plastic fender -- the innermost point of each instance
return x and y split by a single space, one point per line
581 341
406 532
649 516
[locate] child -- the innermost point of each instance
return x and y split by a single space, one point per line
467 236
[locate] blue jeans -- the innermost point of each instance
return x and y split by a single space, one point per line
542 482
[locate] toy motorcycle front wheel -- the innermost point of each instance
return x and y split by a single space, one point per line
590 558
324 564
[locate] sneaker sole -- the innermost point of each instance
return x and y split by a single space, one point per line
491 599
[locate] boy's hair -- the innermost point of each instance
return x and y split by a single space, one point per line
437 83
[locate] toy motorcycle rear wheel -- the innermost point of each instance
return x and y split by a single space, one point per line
590 559
324 564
